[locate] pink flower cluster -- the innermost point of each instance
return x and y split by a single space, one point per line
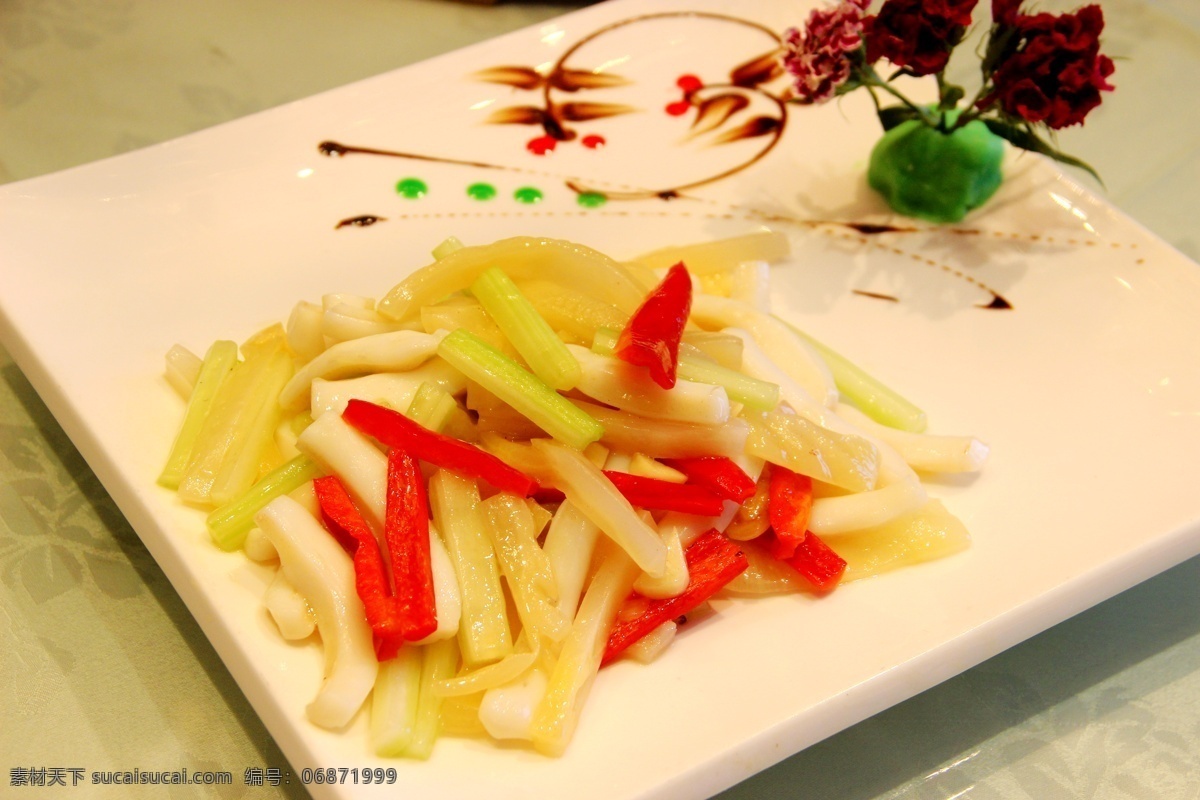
821 58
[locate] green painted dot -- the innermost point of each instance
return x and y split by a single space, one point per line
412 188
481 191
528 194
591 199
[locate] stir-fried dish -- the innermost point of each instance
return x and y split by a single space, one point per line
527 461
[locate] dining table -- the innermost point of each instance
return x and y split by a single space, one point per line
102 666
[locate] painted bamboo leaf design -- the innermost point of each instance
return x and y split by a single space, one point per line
713 112
757 71
517 77
582 112
572 80
517 115
759 126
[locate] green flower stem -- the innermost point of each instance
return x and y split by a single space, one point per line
970 113
871 78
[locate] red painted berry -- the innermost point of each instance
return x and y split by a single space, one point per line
689 83
678 108
541 145
593 141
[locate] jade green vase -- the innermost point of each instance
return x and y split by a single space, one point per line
926 173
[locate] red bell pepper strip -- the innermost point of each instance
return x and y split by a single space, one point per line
817 563
343 519
406 529
717 473
547 494
661 495
396 430
712 562
651 337
789 508
409 612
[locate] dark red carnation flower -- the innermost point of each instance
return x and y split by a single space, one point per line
1054 73
917 34
1004 12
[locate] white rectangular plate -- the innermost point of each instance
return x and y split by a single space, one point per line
1085 386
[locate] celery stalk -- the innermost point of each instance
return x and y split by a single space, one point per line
448 246
218 362
441 660
241 466
431 406
506 670
877 401
555 718
225 457
525 567
529 333
230 523
394 702
741 388
483 631
521 389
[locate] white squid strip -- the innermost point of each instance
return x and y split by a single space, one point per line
395 389
924 451
569 544
339 449
304 334
854 512
314 563
384 352
750 283
630 388
507 711
794 356
288 609
758 364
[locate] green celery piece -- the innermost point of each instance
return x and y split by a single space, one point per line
521 389
230 523
751 392
877 401
241 465
529 333
484 634
236 419
448 246
218 362
394 702
431 406
605 341
441 659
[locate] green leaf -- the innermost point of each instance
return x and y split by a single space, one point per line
892 116
1026 139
